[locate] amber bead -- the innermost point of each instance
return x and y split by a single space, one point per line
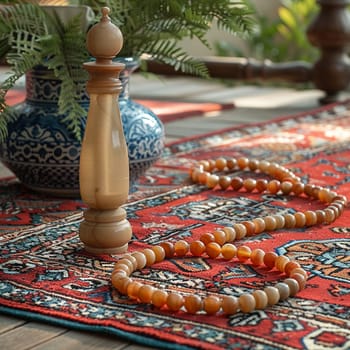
159 252
339 205
257 257
197 248
290 177
203 177
211 304
273 295
207 237
246 302
133 288
290 266
263 166
212 180
159 298
250 226
118 278
283 290
320 216
253 164
229 304
316 191
259 225
280 221
300 219
141 259
213 249
228 251
243 253
193 303
300 271
195 174
224 182
121 283
132 259
280 262
325 195
230 234
269 259
286 187
181 247
212 164
191 170
261 299
293 286
220 237
289 220
150 256
231 163
145 293
169 249
242 162
298 188
278 172
205 164
273 186
330 217
270 223
309 189
341 198
127 262
119 273
236 183
240 230
261 185
175 301
220 163
122 267
300 279
335 210
249 184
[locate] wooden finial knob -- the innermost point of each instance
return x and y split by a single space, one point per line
104 39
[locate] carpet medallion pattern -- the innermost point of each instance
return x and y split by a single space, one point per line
46 275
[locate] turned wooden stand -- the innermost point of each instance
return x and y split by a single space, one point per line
329 31
104 164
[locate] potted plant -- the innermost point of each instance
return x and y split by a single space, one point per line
47 43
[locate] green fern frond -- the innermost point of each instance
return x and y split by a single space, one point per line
169 53
6 113
29 36
66 60
175 20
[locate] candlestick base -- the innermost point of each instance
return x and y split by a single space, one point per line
105 231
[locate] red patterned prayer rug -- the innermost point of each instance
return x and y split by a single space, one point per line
46 274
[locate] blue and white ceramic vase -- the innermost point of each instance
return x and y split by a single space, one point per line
144 132
44 154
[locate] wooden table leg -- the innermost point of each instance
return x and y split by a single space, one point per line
330 32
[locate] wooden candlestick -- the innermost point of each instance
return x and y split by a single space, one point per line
104 164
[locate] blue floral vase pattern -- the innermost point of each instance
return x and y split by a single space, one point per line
45 155
144 132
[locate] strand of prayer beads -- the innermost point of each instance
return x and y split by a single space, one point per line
218 244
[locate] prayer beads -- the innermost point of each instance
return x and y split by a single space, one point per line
218 244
